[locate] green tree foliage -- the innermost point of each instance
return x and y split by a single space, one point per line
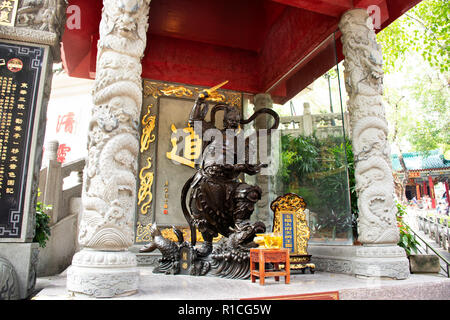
432 129
424 29
42 229
416 53
299 157
407 240
316 170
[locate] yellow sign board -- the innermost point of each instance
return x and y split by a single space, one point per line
290 221
414 174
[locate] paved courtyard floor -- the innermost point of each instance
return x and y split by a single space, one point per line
319 285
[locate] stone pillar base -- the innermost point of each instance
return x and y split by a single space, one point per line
362 261
103 274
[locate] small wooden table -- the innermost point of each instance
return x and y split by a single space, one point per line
274 256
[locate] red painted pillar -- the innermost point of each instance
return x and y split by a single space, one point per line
425 190
417 191
446 192
432 196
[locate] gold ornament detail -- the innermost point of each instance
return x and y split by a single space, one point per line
148 125
216 97
157 89
170 235
145 189
143 232
288 202
294 205
177 91
234 99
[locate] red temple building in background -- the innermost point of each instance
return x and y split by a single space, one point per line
424 172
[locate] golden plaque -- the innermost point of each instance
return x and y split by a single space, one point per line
290 221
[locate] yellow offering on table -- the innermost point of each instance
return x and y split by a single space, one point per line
259 240
269 240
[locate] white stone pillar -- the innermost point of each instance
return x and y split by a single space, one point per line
105 267
308 128
377 225
52 192
51 151
263 213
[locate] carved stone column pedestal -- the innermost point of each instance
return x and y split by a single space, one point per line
377 225
103 274
105 267
388 261
377 261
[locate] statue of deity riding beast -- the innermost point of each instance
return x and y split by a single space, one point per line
219 203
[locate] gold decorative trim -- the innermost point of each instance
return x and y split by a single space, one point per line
145 189
170 235
148 125
294 205
158 89
288 202
143 234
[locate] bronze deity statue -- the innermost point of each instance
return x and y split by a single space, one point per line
214 200
219 202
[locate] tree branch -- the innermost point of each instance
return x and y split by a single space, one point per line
427 30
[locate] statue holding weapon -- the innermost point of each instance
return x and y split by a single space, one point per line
219 203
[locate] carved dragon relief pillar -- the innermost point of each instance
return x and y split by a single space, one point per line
105 267
377 225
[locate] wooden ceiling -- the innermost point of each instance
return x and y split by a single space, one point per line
276 46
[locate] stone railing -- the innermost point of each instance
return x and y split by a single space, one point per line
437 228
62 191
323 124
56 190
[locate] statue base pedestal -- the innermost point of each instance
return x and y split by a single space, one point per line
369 261
103 274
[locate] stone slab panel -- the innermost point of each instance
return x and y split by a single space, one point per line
171 111
365 261
24 258
25 89
424 263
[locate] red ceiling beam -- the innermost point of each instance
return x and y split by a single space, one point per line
396 8
229 23
366 3
285 49
378 10
283 63
190 62
333 8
